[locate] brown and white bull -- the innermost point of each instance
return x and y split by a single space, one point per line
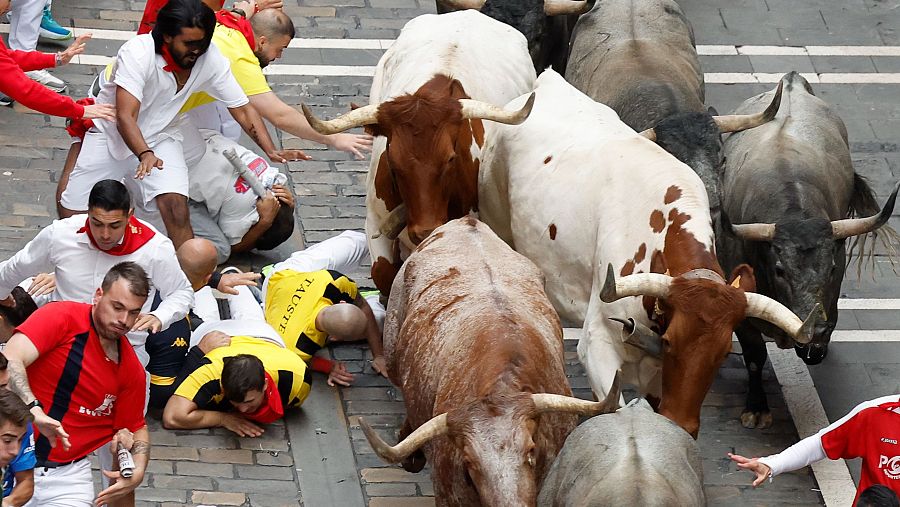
607 214
477 350
429 132
640 59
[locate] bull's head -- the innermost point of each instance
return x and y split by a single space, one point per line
702 312
428 164
696 140
802 265
492 445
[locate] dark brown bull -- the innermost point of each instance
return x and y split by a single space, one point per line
476 348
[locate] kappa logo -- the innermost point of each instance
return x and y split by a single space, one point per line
104 409
891 466
179 342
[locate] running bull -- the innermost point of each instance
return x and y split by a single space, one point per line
477 350
790 190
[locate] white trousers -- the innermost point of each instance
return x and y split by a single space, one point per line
342 253
25 24
68 486
255 328
242 306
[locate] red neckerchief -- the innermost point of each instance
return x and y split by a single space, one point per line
272 410
78 127
171 65
136 236
893 406
232 20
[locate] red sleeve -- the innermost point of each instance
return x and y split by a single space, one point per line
847 439
129 405
18 87
321 364
48 326
32 60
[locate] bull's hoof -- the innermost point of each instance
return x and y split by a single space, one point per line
756 420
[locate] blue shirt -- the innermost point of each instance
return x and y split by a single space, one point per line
24 461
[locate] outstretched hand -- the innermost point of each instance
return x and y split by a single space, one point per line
355 144
76 48
752 464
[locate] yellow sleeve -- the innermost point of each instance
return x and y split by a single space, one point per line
340 289
294 384
203 386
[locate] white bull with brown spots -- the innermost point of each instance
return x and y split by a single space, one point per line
431 91
477 350
608 214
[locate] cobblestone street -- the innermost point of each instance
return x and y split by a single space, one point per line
319 456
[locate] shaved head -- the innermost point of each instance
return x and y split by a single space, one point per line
197 258
343 321
272 23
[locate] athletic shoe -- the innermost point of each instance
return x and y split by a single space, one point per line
49 80
51 30
5 101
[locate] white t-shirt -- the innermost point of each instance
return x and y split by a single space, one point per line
217 184
139 70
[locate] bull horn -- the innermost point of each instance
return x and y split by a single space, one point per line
546 402
841 229
463 4
754 232
393 224
472 109
738 122
649 134
365 115
641 284
766 308
564 7
435 427
641 337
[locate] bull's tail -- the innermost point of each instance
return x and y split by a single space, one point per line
863 204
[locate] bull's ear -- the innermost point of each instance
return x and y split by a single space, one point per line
742 278
712 111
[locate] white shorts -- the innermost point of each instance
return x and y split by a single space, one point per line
68 486
342 253
95 163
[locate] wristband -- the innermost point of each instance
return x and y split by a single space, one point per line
58 59
35 403
239 12
141 154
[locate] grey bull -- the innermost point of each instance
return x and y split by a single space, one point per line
790 190
632 457
640 59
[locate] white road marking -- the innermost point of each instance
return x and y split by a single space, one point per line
869 304
809 417
839 336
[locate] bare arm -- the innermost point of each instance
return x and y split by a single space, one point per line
292 121
250 120
267 209
22 491
182 413
121 492
373 335
127 109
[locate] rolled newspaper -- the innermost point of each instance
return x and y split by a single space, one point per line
245 172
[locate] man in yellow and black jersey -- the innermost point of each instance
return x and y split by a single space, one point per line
251 375
309 307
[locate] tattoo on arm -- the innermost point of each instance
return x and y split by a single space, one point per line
18 381
140 447
253 134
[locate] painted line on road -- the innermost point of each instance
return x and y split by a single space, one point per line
702 49
868 304
809 417
839 336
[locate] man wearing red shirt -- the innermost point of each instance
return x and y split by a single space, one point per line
20 88
87 378
870 431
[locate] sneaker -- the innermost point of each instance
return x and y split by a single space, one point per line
51 30
49 80
5 101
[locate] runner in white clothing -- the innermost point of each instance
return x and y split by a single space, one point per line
226 210
81 249
152 78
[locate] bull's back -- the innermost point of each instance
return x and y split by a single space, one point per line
460 281
631 457
639 59
582 186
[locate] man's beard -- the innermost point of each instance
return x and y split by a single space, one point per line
263 61
182 58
